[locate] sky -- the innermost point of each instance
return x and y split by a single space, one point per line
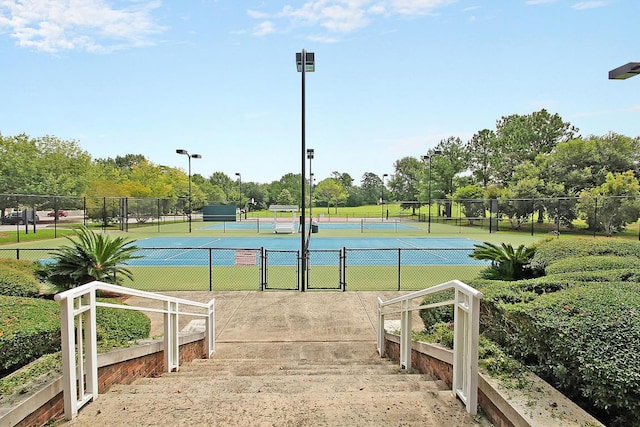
393 77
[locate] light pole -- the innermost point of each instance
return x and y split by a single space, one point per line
189 156
305 63
240 191
384 175
310 154
625 71
428 157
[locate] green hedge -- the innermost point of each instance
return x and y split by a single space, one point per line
18 283
18 264
592 263
30 328
585 340
117 326
551 251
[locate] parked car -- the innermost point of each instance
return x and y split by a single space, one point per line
16 218
61 212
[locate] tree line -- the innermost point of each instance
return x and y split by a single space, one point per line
533 156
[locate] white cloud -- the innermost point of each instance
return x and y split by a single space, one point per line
589 5
89 25
323 39
418 7
535 2
264 28
344 16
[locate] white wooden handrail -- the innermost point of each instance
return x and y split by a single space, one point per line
466 321
78 333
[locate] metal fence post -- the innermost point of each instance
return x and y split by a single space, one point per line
399 266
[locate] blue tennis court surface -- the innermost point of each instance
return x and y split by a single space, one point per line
293 242
198 251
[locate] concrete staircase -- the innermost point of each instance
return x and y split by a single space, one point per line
282 384
284 359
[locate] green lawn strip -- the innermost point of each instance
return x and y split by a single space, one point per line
279 277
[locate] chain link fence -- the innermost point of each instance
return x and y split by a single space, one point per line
216 269
597 216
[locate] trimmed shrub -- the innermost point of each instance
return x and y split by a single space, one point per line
584 340
551 251
592 263
617 275
440 314
30 328
18 264
117 327
18 283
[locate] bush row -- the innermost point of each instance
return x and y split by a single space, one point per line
31 328
17 278
585 340
578 326
553 250
592 263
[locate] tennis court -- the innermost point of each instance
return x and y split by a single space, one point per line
223 251
353 225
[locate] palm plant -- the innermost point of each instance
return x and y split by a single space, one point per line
91 257
506 263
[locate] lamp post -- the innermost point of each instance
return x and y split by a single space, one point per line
189 156
428 157
625 71
240 191
310 155
305 63
384 175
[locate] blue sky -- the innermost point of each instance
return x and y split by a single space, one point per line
393 77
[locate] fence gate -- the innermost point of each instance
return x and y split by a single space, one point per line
281 270
324 270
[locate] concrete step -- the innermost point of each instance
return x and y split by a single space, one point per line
296 350
308 384
355 408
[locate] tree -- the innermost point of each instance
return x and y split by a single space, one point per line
471 199
91 257
224 182
404 182
481 149
285 198
331 190
371 186
614 204
521 138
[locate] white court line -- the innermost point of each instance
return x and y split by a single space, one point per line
418 247
189 250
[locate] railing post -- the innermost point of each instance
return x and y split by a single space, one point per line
210 333
405 335
465 349
381 346
171 341
68 358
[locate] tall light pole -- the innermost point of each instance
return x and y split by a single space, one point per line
189 156
240 191
428 157
305 63
310 154
384 175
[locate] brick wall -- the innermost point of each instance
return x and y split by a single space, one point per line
124 372
444 371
